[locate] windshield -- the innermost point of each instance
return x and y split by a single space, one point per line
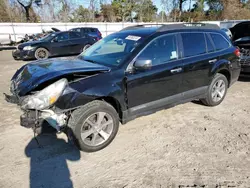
112 50
48 37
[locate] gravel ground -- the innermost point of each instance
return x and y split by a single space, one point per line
189 145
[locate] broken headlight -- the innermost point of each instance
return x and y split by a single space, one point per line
45 97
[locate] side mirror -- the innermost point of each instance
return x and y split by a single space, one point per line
142 64
54 40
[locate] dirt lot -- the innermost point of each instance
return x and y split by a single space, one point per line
186 146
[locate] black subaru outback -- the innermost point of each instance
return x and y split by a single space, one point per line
133 72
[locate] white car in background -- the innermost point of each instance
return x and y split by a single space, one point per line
6 39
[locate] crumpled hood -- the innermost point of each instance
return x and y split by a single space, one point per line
30 43
28 77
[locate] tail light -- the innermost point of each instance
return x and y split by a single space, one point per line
237 52
99 33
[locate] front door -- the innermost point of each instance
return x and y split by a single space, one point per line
158 86
60 44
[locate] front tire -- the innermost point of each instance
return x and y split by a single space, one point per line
216 91
41 53
93 126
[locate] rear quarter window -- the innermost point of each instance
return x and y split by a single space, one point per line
193 44
219 41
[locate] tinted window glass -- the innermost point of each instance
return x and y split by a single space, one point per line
161 50
62 37
77 30
92 30
210 47
86 30
219 41
194 44
74 35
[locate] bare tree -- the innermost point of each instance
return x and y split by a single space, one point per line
27 6
231 9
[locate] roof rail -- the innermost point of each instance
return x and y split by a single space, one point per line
174 26
141 26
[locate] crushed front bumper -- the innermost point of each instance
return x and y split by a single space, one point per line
35 118
23 54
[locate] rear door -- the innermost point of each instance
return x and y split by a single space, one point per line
60 44
77 42
198 59
158 86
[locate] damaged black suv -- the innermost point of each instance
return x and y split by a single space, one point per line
134 72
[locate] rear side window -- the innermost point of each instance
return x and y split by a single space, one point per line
193 44
219 41
74 35
85 30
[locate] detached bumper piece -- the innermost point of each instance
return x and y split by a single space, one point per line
23 55
11 99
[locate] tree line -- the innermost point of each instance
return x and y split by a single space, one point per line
122 10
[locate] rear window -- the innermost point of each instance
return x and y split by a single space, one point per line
219 41
193 44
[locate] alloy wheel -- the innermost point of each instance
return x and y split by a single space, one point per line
218 90
97 129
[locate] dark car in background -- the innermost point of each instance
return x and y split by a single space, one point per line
54 44
130 73
241 39
91 31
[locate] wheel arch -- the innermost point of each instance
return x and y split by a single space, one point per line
44 48
222 67
113 102
227 74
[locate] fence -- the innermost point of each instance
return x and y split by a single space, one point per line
17 29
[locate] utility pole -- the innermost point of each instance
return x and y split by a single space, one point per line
163 4
92 8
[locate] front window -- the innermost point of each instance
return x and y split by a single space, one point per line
161 50
112 50
48 37
62 37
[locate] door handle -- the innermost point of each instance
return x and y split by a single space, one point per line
212 61
176 70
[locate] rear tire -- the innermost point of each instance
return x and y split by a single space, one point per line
216 91
93 126
86 47
41 53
